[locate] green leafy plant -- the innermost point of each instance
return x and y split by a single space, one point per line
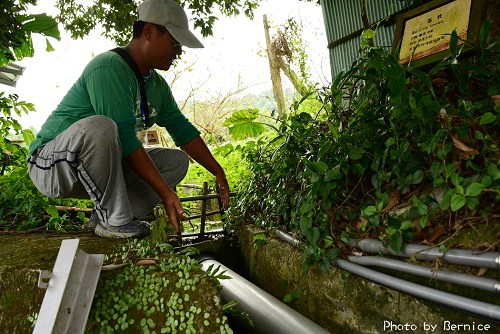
117 16
259 240
18 198
21 206
32 318
172 295
392 152
217 272
289 297
55 220
229 308
16 42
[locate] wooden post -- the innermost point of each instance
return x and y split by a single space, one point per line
203 212
275 71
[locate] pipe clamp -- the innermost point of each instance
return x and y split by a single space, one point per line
44 278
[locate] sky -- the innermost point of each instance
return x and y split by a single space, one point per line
230 56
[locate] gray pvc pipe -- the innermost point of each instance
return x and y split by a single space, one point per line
485 310
422 252
482 283
269 315
478 308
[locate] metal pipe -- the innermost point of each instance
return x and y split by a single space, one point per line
482 283
421 252
217 230
288 238
481 309
203 197
203 211
269 315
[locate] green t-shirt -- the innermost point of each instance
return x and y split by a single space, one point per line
109 87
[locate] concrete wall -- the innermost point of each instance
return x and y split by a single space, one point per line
342 302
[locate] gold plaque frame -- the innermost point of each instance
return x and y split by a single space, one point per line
422 35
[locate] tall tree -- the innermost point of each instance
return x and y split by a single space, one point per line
17 27
117 16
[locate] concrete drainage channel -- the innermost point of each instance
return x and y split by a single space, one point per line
270 315
72 283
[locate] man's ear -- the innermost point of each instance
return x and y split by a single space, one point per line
148 30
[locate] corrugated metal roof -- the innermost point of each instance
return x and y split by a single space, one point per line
343 24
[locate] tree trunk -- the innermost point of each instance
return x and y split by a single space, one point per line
292 76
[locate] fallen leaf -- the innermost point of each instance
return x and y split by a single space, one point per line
113 266
415 225
443 118
485 246
360 223
145 262
482 271
439 231
461 146
393 200
496 99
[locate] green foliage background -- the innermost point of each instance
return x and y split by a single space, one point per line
22 207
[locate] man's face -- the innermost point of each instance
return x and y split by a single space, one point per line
164 49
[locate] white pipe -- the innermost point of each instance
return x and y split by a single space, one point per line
477 308
482 283
422 252
269 315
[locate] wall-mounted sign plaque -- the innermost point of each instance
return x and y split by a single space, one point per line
423 34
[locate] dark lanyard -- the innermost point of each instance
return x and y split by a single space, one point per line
144 103
140 80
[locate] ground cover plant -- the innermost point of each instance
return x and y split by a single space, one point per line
394 152
149 288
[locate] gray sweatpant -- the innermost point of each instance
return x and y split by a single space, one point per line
85 161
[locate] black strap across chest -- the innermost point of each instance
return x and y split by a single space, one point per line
140 80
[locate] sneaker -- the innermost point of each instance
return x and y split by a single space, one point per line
134 229
93 221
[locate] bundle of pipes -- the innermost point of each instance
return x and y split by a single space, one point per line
356 265
453 256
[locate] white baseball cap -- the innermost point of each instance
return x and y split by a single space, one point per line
172 16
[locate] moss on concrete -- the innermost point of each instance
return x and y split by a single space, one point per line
20 298
479 235
39 250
